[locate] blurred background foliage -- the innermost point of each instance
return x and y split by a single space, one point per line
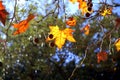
29 57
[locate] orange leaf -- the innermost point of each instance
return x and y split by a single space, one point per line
3 13
102 56
60 36
1 6
22 26
86 29
117 44
71 21
73 1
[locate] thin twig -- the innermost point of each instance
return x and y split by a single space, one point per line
110 44
64 9
79 64
11 19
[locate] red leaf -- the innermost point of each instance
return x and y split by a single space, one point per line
102 56
3 13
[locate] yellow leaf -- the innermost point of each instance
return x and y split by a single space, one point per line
69 35
60 36
84 7
60 39
117 44
54 31
106 12
73 1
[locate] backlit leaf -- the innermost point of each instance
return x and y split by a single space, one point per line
106 12
60 39
117 44
60 36
23 25
73 1
86 29
71 21
84 7
69 35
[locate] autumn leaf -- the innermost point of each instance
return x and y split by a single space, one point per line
53 33
117 44
69 35
86 29
22 26
3 13
102 56
83 6
60 36
73 1
60 39
71 21
117 23
106 12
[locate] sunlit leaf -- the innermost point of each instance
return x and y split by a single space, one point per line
71 21
86 29
69 35
60 39
73 1
106 12
3 13
23 25
102 56
60 36
117 44
84 7
54 30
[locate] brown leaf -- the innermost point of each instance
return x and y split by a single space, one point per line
117 23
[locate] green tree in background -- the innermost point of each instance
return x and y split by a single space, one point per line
27 56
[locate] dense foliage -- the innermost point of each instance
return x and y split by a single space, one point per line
85 45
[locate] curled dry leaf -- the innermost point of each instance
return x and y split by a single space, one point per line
3 13
117 44
102 56
22 26
60 36
71 21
